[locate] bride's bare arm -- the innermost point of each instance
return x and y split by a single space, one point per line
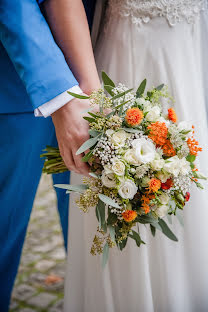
68 23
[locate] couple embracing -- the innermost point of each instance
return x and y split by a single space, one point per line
45 50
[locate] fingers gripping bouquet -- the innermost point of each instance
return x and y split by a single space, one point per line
142 164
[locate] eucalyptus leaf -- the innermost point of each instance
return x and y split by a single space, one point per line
74 188
94 175
89 119
166 230
105 255
86 145
136 237
94 133
112 233
153 230
78 96
100 208
108 201
141 88
94 115
107 81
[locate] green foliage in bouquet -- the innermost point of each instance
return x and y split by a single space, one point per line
142 164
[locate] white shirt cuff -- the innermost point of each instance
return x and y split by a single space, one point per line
53 105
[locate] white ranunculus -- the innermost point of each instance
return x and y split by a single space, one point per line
131 158
185 126
184 166
127 189
118 167
162 211
162 176
157 163
108 177
119 138
144 150
164 198
172 165
153 114
162 119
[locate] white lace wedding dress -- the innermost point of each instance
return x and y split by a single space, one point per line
159 40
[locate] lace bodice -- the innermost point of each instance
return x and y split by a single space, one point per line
141 11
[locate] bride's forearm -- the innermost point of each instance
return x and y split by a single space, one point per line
68 23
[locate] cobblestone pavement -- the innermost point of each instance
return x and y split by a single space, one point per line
40 280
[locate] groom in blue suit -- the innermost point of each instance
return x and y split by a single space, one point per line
33 73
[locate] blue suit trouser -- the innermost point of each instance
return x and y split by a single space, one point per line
22 139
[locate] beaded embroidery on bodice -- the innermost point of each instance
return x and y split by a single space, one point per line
141 11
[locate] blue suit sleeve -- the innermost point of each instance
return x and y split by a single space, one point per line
30 45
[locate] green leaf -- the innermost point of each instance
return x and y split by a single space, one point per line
105 255
86 145
141 88
109 89
122 104
72 188
108 201
166 230
191 158
160 87
87 156
107 81
78 96
146 219
112 233
94 115
112 218
153 230
89 119
121 94
122 244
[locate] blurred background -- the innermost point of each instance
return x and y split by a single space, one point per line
40 281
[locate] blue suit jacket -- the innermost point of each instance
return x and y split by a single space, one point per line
33 68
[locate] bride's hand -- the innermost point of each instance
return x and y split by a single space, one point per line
72 132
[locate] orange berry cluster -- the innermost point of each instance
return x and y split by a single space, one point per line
172 115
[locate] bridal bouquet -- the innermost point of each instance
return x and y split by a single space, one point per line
142 164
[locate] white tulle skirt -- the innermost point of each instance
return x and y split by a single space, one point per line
161 276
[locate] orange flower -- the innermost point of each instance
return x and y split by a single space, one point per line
172 115
134 116
193 146
158 132
129 215
168 149
154 185
146 202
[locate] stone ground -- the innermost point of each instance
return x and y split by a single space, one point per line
40 280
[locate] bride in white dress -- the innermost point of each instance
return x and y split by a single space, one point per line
160 41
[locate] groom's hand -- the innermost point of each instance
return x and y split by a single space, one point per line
72 132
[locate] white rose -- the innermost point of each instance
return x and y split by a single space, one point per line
118 167
184 166
163 176
144 150
127 189
141 101
131 158
119 138
109 132
185 126
108 177
162 211
172 165
157 163
164 198
153 114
